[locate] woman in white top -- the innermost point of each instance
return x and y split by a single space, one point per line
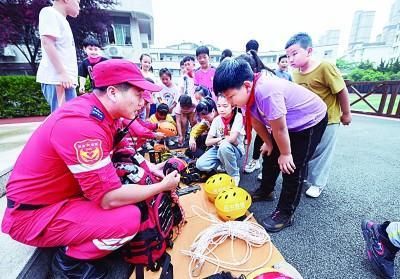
147 72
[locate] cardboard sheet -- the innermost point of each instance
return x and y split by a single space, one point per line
194 226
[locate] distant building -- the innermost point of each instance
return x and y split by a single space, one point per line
327 46
361 28
391 28
170 56
130 33
387 44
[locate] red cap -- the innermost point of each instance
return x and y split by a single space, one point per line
115 71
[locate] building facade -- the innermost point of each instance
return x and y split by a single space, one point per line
130 33
387 44
361 28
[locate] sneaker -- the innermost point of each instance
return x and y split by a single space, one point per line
65 267
221 168
378 248
148 146
252 166
260 195
314 191
236 179
277 221
171 143
259 177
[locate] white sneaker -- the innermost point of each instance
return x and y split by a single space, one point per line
171 142
314 191
259 177
252 166
220 168
148 146
236 179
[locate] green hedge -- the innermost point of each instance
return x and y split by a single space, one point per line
21 96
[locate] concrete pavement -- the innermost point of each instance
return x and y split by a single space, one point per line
325 240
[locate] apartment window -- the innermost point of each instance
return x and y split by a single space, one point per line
119 32
145 45
122 33
328 53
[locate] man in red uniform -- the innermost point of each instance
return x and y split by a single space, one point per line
64 190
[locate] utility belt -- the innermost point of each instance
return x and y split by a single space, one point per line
23 206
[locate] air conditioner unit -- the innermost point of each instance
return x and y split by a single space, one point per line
7 51
114 52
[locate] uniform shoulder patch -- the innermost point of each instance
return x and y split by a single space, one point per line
97 113
89 151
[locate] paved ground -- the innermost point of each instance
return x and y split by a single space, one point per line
12 139
325 240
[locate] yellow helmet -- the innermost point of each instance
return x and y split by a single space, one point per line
232 203
216 184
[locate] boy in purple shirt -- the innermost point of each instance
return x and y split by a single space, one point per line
297 119
205 74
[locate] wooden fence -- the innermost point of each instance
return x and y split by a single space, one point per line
381 98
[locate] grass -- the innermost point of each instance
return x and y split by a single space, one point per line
374 100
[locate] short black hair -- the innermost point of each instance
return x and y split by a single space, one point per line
149 79
121 86
252 45
302 38
90 41
165 71
232 73
204 91
163 109
206 106
185 101
225 53
202 50
281 57
188 58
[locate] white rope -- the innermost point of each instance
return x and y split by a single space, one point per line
208 240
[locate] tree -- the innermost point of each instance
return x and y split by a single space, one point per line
366 65
20 19
382 67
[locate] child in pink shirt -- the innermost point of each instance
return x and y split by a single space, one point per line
205 74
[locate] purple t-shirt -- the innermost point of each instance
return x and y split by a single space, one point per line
275 97
205 79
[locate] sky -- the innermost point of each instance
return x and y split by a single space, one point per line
231 23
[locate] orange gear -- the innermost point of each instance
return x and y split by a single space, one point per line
167 128
158 147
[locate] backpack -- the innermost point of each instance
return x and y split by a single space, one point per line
159 215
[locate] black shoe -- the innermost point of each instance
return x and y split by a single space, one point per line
65 267
379 250
260 195
277 221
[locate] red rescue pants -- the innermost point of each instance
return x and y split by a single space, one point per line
87 230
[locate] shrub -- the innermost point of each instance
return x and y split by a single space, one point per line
21 96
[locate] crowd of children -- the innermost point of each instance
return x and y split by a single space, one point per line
296 116
213 126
